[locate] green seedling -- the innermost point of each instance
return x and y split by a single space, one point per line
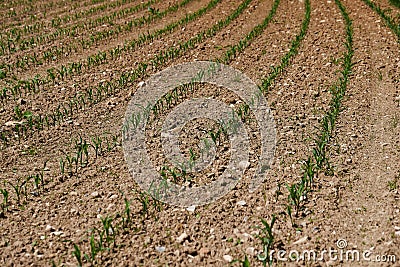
278 192
215 135
145 201
289 212
62 167
267 240
296 193
5 194
393 184
18 113
17 189
127 212
77 254
309 172
95 247
108 229
154 11
244 263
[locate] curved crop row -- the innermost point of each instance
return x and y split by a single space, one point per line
60 20
32 85
100 145
95 94
10 46
319 161
29 13
16 36
395 27
79 158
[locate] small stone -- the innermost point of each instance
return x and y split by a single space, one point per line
241 203
141 84
301 240
315 229
191 208
228 258
13 123
57 233
95 194
160 249
182 237
114 197
73 193
50 228
243 165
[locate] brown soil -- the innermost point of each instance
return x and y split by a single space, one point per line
357 202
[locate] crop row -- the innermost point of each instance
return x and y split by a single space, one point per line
33 85
104 238
390 22
166 101
319 160
10 46
266 237
53 53
33 185
60 20
29 13
70 164
15 36
93 95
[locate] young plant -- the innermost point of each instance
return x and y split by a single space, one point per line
108 229
17 189
145 201
296 194
267 240
77 254
4 204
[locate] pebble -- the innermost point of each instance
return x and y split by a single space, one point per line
13 123
160 249
50 228
241 203
114 197
228 258
95 194
301 240
182 237
243 165
191 208
110 207
57 233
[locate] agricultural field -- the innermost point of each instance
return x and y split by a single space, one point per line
328 72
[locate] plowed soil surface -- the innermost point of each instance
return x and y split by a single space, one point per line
68 197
